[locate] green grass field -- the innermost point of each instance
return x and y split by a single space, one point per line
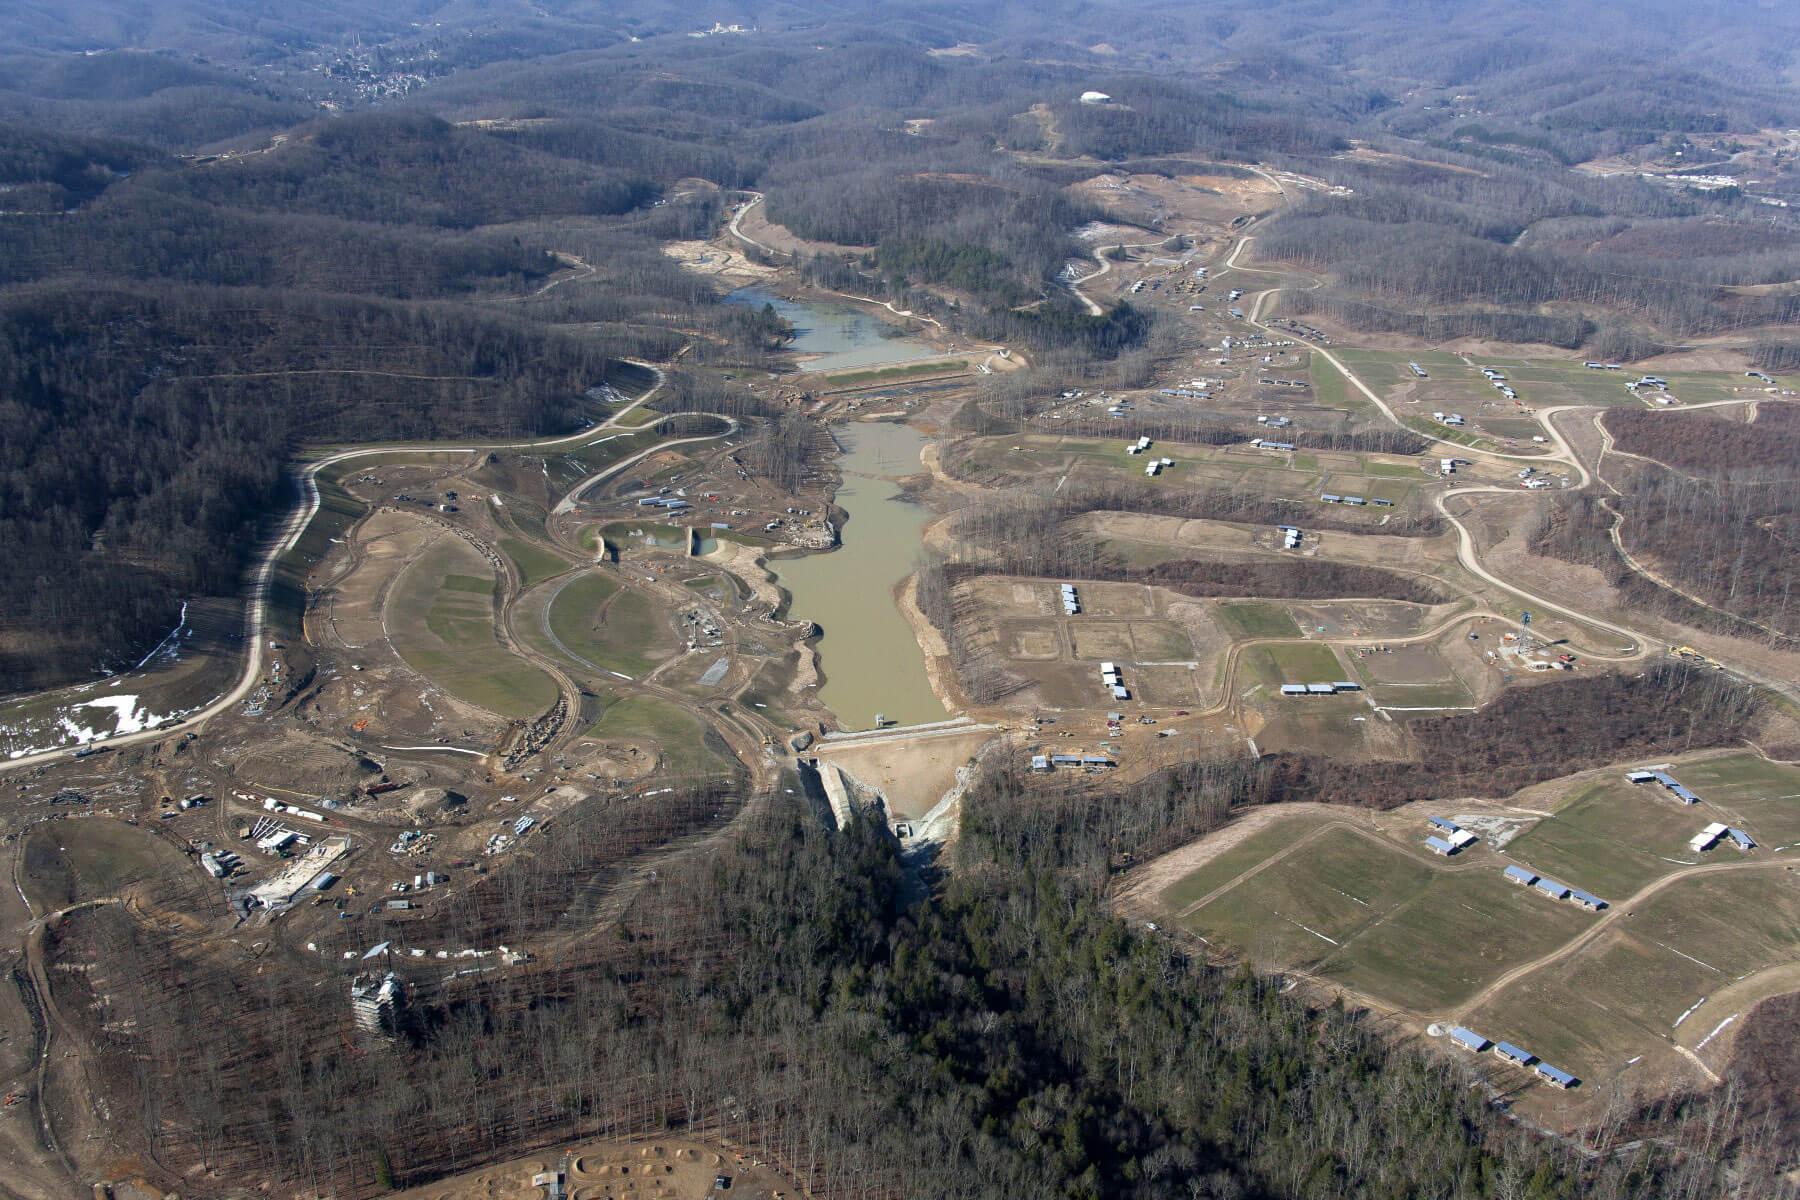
1762 796
1374 917
1452 938
1232 863
897 374
534 562
1426 696
1301 910
1540 383
1296 662
1611 839
440 620
1624 994
1258 619
678 732
1331 389
610 627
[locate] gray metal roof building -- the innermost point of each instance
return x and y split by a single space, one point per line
1439 846
1552 889
1512 1053
1468 1039
1444 823
1520 876
1587 900
1556 1078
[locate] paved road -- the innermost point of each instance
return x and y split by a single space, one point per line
1642 644
568 502
1564 452
756 198
292 531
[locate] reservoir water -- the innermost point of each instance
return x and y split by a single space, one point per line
871 660
840 336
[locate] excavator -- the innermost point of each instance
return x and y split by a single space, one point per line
1689 654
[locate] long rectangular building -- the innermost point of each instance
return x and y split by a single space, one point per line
1468 1039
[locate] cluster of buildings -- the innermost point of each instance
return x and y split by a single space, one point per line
669 503
1474 1043
1353 501
1663 777
1453 420
1500 385
1275 422
1139 446
220 863
1654 383
1290 536
1071 600
1707 838
1266 444
1454 837
1154 467
1319 689
1111 679
1553 889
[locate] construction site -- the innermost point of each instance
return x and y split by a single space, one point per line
501 703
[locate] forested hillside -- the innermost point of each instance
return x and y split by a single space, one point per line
1004 1037
148 433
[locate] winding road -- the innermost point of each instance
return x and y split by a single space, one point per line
1642 644
263 574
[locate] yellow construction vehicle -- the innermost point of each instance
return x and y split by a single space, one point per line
1689 654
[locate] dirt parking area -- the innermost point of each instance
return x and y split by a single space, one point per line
657 1170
